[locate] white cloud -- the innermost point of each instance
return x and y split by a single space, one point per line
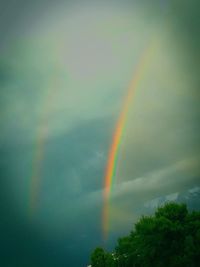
162 181
179 173
195 189
172 197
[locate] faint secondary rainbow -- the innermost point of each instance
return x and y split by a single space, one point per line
38 157
41 137
118 134
42 132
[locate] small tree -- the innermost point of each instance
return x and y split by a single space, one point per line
98 258
110 261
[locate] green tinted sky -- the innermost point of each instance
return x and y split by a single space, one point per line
64 71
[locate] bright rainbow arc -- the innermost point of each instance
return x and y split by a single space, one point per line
118 134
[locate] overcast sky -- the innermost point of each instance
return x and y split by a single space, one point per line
65 68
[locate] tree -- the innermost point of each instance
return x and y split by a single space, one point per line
168 238
98 258
110 260
171 237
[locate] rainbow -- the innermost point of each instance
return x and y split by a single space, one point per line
118 134
42 132
38 157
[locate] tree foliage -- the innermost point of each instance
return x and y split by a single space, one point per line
171 237
98 258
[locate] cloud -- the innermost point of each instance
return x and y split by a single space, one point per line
178 176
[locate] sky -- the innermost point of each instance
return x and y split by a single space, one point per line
65 69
